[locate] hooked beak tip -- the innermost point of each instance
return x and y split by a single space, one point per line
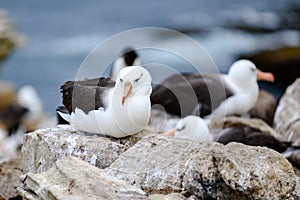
123 100
170 132
265 76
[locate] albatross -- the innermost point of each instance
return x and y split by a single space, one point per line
129 57
234 93
191 127
103 106
194 128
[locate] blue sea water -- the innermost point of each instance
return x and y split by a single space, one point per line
62 33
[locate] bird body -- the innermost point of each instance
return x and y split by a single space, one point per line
234 93
117 109
191 127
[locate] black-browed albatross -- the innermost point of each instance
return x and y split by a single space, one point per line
194 128
191 127
129 57
234 93
107 107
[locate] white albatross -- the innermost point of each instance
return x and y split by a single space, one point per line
191 127
103 106
203 94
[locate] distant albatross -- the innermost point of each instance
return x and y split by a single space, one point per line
194 128
107 107
234 93
129 57
191 127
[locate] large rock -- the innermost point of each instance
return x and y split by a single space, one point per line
10 173
43 147
287 115
71 178
160 164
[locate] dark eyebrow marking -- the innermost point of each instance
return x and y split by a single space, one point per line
180 129
136 80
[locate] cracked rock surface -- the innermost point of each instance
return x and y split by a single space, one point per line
43 147
287 115
68 179
158 164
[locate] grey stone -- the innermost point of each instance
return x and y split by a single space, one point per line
287 115
43 147
160 164
256 172
10 173
171 196
71 178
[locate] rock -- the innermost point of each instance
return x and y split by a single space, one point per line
293 156
171 196
10 173
160 164
153 164
264 108
9 36
255 124
71 178
43 147
287 118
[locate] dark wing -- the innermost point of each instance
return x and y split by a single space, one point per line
249 136
181 93
175 94
232 134
260 139
86 95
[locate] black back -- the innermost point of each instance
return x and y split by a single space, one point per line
86 95
180 94
252 137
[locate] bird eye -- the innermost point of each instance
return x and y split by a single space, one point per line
252 69
136 80
121 80
180 129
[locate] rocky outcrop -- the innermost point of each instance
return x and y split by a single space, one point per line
43 147
71 178
10 173
159 164
287 117
153 166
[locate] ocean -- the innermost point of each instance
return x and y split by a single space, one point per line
62 34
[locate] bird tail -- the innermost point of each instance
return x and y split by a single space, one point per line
63 116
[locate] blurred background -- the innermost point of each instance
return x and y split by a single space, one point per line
51 39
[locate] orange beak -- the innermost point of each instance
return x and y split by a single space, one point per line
127 91
264 76
170 132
